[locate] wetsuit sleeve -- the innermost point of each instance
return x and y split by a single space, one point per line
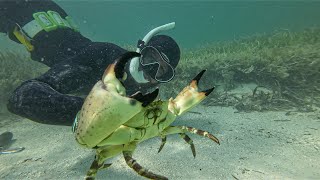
47 98
39 102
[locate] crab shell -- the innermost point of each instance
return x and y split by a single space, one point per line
106 107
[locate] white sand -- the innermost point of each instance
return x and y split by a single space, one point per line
253 146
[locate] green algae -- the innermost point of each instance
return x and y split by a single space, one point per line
286 63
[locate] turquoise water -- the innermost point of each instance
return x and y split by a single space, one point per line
196 22
269 144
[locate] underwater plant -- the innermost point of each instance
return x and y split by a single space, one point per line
287 63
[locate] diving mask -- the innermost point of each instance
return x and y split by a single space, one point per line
152 62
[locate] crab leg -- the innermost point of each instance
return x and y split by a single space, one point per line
163 142
185 137
95 166
132 163
189 141
102 154
184 129
199 132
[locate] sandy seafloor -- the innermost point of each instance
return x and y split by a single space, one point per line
257 145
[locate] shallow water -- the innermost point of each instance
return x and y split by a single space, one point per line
258 140
198 23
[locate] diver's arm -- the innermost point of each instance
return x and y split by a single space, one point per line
37 101
46 99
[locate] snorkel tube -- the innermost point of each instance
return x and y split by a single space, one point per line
134 64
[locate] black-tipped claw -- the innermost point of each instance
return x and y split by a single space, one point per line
147 98
121 62
198 77
208 91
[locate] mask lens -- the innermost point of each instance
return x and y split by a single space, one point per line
150 55
164 74
156 65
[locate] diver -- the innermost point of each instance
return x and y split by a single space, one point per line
76 63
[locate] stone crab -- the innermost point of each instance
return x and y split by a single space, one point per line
113 123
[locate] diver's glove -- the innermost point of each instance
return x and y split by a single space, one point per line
38 101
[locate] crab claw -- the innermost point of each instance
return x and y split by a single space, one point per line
147 98
114 73
117 68
120 63
189 96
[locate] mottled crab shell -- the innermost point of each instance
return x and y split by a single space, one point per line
106 107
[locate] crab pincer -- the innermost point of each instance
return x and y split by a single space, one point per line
190 96
120 63
117 69
195 81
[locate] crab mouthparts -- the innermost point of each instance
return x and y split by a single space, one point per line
145 99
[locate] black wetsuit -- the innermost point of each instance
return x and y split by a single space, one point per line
76 64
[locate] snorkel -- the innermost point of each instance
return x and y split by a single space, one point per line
134 64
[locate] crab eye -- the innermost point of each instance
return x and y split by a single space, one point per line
75 123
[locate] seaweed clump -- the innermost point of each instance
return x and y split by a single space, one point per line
15 68
286 64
